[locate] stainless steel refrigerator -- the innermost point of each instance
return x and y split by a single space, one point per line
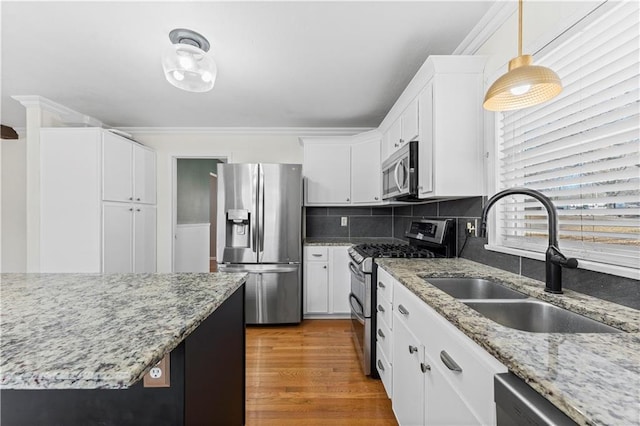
260 232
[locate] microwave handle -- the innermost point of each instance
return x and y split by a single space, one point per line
395 175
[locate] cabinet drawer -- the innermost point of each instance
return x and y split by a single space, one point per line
384 337
385 370
384 310
445 343
409 308
313 253
385 284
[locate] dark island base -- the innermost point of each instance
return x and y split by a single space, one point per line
207 386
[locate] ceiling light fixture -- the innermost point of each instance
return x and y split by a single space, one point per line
186 63
524 85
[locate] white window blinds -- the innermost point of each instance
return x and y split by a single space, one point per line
581 149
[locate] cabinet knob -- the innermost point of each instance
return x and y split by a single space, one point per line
381 334
396 145
348 199
138 210
425 367
131 209
375 198
381 284
401 140
412 349
380 366
380 308
130 198
138 199
324 267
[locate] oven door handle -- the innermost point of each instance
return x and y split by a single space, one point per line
358 310
356 272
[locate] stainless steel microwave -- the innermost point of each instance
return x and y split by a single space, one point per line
400 174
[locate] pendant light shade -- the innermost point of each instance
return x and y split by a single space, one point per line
524 85
186 63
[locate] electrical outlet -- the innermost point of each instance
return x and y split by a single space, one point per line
159 375
472 226
343 221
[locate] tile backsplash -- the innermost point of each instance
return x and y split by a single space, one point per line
325 222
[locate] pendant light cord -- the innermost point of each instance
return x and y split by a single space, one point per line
519 27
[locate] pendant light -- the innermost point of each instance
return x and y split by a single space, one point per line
186 63
524 85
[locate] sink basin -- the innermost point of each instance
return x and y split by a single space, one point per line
474 288
537 317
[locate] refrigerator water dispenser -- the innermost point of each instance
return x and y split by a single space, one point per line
238 231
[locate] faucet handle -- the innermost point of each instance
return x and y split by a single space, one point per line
554 256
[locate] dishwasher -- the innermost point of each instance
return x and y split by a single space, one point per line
517 404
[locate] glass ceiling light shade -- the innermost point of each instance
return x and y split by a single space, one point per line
524 85
186 63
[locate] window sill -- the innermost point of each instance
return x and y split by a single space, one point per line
605 268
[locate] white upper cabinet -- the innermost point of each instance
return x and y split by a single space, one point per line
117 161
441 108
342 170
327 172
365 171
129 171
144 171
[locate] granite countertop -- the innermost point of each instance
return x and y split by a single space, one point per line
593 378
90 331
349 241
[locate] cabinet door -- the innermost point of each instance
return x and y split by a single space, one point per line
117 173
144 169
327 172
443 404
408 379
395 134
425 147
365 172
316 291
340 280
144 239
117 238
410 119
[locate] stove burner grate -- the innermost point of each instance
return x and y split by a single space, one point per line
394 251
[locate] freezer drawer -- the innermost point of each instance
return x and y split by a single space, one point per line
273 293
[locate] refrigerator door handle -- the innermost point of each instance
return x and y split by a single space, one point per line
261 213
254 219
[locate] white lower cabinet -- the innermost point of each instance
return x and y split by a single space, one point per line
326 281
440 376
129 238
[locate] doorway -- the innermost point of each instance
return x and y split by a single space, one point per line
195 183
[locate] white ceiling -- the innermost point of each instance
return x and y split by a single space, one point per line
280 64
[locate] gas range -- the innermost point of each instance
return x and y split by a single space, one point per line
428 238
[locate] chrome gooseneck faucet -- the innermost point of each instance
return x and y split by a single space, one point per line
554 260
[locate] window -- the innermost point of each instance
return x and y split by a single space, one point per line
581 149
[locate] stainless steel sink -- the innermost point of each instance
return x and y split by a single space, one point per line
537 317
474 288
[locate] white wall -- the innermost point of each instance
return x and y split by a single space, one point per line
235 147
13 222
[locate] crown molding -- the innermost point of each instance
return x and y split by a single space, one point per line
66 115
307 131
497 14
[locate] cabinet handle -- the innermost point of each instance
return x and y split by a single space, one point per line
381 334
412 349
380 308
403 310
316 255
380 366
381 284
449 362
425 367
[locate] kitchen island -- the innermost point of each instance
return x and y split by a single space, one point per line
75 348
593 378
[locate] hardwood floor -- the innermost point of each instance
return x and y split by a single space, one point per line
310 375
